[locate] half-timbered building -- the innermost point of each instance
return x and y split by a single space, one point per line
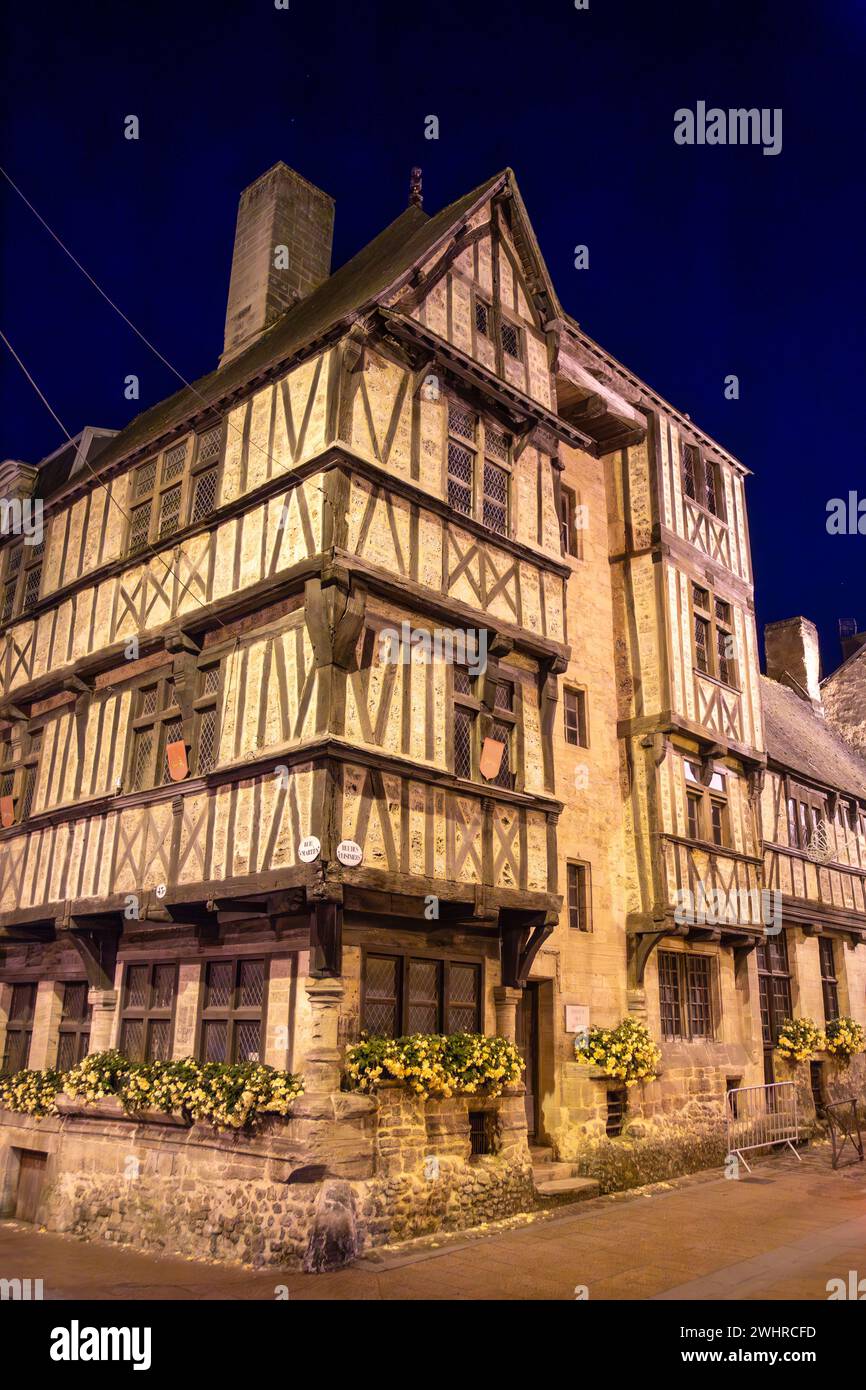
399 676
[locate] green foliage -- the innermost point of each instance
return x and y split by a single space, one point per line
431 1064
228 1095
618 1164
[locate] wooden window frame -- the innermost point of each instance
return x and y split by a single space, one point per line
156 722
15 598
569 532
694 800
166 713
18 777
233 1013
695 463
206 702
77 1027
519 333
489 447
148 1013
186 482
495 455
471 704
200 465
710 797
716 626
580 725
680 970
578 901
504 718
22 1027
445 963
770 1015
805 809
829 979
482 305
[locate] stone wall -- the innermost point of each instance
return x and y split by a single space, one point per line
344 1173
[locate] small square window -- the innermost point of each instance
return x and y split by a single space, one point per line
511 344
617 1103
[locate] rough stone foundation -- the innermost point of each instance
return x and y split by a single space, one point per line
343 1174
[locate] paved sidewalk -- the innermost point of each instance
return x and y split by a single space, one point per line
782 1233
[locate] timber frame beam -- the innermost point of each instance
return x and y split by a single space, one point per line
522 935
467 371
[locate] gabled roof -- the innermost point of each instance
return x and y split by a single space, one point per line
858 655
799 739
358 284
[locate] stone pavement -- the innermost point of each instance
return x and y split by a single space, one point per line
781 1233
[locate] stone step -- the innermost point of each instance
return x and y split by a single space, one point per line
572 1189
549 1172
540 1153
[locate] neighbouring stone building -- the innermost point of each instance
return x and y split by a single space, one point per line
401 676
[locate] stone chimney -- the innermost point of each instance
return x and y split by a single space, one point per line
794 658
282 251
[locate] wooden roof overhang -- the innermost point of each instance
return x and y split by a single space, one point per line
591 405
709 745
524 412
646 936
822 919
642 396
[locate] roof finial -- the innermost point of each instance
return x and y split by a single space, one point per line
416 199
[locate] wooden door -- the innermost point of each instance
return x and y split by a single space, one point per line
31 1175
527 1042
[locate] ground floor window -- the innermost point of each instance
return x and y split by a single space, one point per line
414 994
19 1030
75 1013
149 994
685 995
774 986
231 1019
617 1104
829 979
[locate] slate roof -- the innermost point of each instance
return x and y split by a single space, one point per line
346 293
799 739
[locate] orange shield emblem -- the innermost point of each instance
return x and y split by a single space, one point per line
491 757
178 767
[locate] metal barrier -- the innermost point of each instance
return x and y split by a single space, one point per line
844 1128
760 1116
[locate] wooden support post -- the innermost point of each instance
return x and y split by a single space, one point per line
326 939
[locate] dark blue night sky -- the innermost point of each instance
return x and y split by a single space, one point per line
703 261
